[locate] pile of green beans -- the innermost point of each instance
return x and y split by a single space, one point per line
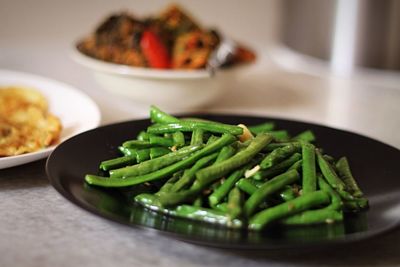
236 176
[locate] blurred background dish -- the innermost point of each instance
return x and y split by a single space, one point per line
76 111
166 59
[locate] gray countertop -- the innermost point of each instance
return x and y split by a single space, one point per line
39 227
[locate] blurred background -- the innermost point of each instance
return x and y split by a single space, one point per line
320 61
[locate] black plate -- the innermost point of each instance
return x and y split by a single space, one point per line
374 164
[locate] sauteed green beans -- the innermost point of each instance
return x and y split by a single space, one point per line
237 176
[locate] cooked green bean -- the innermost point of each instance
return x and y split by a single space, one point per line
189 126
277 168
207 215
225 153
158 116
189 174
309 171
314 217
267 189
234 204
170 183
197 137
299 204
329 173
307 136
226 186
143 136
262 127
115 163
137 144
179 139
336 201
279 154
287 193
154 164
246 186
142 155
156 152
161 141
226 139
212 173
344 171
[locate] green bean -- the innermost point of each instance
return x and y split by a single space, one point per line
226 186
314 217
158 116
189 174
225 153
197 136
198 202
279 154
137 144
119 162
207 215
142 155
246 186
234 204
127 151
272 146
285 209
296 166
151 202
277 168
329 173
170 183
267 189
212 139
226 139
222 207
287 193
143 136
344 171
189 126
336 201
309 182
161 141
179 139
279 134
212 173
156 152
170 199
261 128
154 164
307 136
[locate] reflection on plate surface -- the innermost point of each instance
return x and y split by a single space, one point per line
377 177
78 117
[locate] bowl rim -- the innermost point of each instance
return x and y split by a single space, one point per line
125 70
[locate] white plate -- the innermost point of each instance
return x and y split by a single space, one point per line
77 112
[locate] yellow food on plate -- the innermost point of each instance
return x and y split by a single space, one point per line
26 125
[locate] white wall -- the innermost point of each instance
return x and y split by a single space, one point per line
62 21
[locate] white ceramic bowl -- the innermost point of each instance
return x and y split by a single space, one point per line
165 88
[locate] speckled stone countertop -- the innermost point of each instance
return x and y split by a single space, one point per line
40 228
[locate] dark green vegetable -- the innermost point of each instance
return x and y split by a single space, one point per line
210 174
226 139
156 152
231 178
279 154
189 126
269 188
299 204
277 168
154 164
329 173
343 168
197 137
158 116
309 170
117 163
